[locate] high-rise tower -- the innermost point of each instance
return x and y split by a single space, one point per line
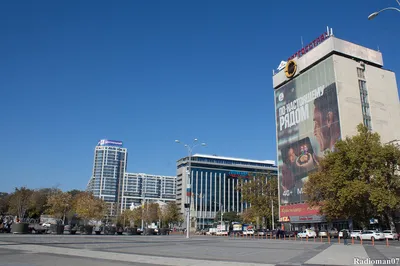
109 168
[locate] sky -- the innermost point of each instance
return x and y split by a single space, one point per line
149 72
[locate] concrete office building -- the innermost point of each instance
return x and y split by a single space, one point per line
322 93
214 182
137 188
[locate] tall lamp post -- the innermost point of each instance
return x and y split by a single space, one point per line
373 15
188 181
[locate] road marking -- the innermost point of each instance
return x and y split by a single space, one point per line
124 257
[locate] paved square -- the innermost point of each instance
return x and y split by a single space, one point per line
175 250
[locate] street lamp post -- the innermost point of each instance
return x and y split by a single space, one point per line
188 182
373 15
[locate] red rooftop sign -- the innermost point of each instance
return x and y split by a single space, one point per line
310 46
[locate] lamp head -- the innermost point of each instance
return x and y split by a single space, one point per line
373 15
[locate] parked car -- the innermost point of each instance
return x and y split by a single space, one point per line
306 233
369 235
248 232
389 234
323 233
356 234
333 233
289 233
341 232
222 233
262 232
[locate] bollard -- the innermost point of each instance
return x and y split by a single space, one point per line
387 241
321 239
373 241
314 238
329 239
339 239
295 237
284 237
361 240
289 237
307 237
352 240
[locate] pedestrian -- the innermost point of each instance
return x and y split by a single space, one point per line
345 236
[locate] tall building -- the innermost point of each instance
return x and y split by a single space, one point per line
111 182
109 168
139 187
322 93
213 185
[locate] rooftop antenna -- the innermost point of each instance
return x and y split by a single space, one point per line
378 49
302 44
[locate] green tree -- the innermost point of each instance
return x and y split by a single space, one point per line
248 216
4 203
151 212
59 204
20 202
38 201
170 214
261 191
360 180
88 207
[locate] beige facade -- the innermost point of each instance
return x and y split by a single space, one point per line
382 96
381 84
321 94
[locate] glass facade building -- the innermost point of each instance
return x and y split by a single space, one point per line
139 187
119 189
214 184
109 167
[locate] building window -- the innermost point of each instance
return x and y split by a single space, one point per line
360 73
362 85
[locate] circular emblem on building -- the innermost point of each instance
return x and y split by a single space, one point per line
281 97
290 69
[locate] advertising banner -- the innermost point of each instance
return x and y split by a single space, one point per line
301 209
106 142
307 120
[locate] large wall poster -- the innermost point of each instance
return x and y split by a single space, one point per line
307 120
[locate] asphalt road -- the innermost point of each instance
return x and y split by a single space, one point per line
174 250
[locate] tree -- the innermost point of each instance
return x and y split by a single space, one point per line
170 213
88 207
359 180
38 201
4 203
261 192
150 212
59 204
248 216
20 202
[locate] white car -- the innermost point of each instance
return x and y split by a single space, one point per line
306 233
390 234
248 232
341 232
356 234
222 233
369 235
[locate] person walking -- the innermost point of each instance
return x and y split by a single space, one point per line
345 236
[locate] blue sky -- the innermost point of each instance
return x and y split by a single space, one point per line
150 72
